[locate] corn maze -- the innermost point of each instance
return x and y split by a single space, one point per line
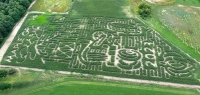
100 45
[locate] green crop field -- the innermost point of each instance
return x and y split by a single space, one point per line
106 37
98 8
27 82
188 2
99 45
71 86
51 5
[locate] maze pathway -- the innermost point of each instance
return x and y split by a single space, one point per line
101 45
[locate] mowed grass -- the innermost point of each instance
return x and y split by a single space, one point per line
184 23
51 5
157 24
168 34
52 83
21 77
112 8
77 86
188 2
39 20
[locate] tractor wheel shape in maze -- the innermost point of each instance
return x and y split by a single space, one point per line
110 45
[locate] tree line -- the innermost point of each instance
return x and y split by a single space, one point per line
10 12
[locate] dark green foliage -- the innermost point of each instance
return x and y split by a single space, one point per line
4 86
2 1
3 73
144 10
1 40
10 12
12 71
24 3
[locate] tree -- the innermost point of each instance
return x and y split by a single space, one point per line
4 86
2 1
1 39
12 71
144 10
7 23
24 3
15 14
3 73
2 30
10 12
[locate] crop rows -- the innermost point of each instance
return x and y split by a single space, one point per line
101 45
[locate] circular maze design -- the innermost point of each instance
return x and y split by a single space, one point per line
129 55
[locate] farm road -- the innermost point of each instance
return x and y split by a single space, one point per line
176 85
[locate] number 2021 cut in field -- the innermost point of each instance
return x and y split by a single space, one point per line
100 45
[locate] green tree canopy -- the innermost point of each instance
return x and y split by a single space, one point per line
10 12
144 10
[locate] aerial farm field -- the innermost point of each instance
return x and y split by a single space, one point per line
109 38
92 45
51 5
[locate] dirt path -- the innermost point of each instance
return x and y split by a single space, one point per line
176 85
127 11
154 1
31 4
153 82
24 68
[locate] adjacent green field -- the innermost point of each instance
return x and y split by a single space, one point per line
71 86
99 45
183 22
98 8
188 2
51 5
27 82
21 77
179 24
25 78
173 21
161 14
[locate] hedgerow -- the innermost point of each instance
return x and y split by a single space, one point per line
4 86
